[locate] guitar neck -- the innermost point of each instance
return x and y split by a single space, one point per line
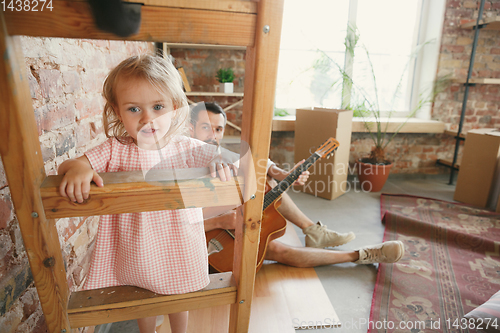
283 185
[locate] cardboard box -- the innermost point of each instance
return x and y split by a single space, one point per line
312 128
478 181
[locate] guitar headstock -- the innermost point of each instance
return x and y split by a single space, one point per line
328 148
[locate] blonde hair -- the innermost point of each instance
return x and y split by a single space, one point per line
162 75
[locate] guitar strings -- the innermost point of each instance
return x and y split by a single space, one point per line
223 235
272 195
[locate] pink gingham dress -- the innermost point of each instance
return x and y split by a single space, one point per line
162 251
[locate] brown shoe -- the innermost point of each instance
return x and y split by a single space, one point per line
319 236
387 252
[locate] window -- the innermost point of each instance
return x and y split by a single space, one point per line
307 27
312 46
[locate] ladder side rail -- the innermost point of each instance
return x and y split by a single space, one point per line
466 92
258 107
24 168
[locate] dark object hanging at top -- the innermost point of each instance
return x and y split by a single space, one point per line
122 19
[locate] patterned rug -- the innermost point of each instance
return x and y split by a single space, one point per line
451 265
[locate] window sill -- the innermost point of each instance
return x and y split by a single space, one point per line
287 123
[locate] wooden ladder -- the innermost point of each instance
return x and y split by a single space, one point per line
255 25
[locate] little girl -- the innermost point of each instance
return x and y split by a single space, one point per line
163 251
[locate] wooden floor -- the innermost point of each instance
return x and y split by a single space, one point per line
285 298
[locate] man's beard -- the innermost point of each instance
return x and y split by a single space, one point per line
212 142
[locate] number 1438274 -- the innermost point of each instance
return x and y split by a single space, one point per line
26 5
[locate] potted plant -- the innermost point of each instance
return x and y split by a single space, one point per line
373 170
225 76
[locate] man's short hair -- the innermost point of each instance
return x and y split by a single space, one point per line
210 107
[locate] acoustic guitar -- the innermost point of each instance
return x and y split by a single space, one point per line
220 242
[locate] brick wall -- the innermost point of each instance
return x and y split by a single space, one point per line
411 153
456 45
201 65
65 79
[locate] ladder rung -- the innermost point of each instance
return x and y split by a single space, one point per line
448 163
107 305
73 19
462 135
128 192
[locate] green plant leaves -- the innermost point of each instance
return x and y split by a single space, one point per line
225 75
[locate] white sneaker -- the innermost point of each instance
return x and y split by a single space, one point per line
387 252
319 236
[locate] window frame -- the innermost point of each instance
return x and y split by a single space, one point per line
421 78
